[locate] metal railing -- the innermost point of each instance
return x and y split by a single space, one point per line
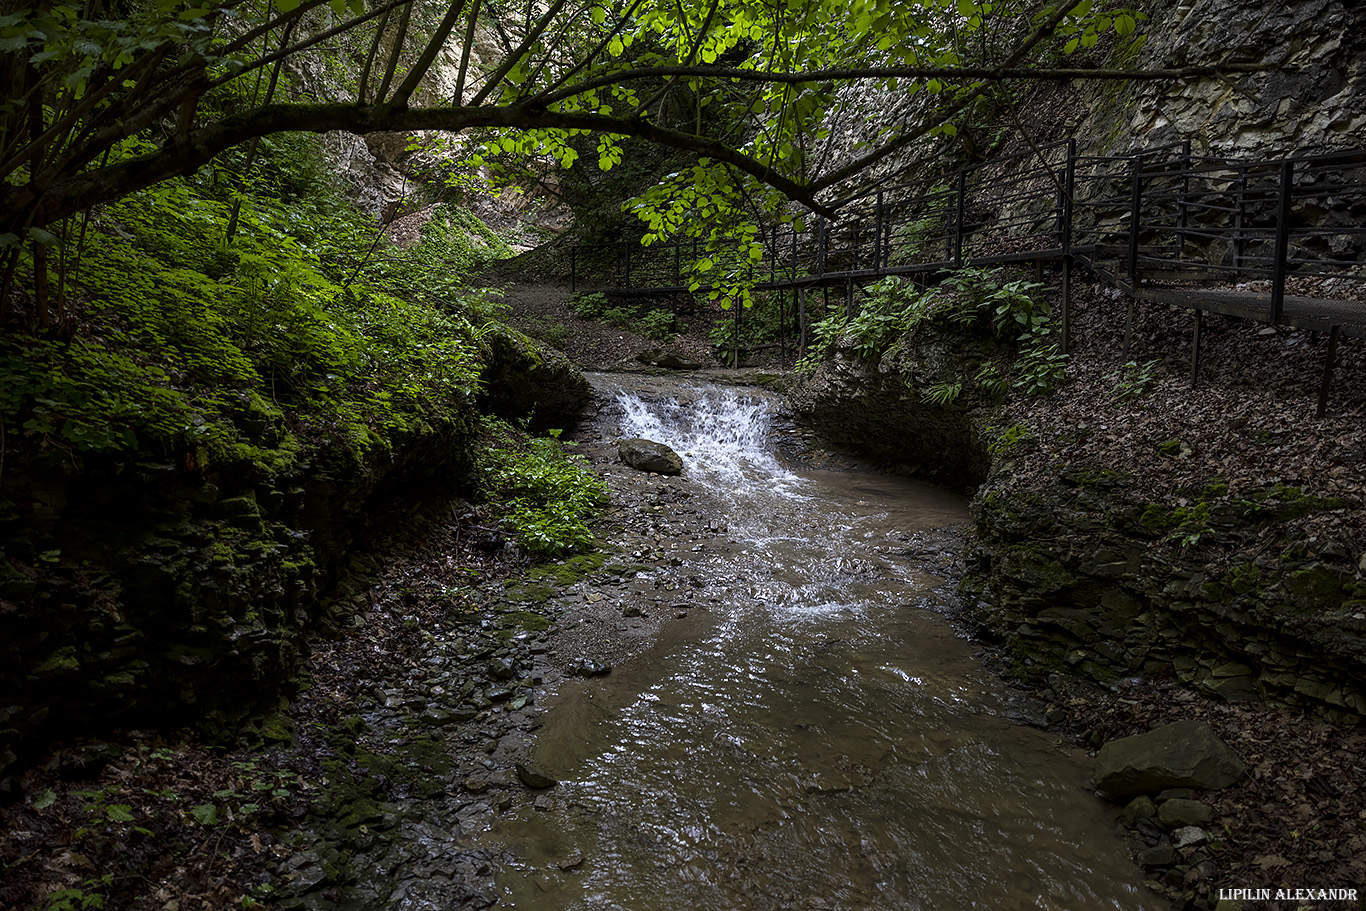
1162 216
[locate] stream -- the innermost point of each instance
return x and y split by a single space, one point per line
822 739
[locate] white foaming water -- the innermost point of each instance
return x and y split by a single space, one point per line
721 435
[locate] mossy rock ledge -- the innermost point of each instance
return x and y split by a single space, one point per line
160 593
878 409
1079 574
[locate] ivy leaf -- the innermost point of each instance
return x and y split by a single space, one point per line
46 238
1124 25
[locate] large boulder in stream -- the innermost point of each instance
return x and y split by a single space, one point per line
647 455
1183 754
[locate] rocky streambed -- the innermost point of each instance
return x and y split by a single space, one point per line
747 700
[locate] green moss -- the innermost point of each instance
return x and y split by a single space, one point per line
530 593
62 661
527 620
1317 588
1243 578
1156 520
567 572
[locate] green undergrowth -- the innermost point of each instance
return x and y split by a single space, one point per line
180 344
970 303
547 495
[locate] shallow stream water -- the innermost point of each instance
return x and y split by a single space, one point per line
826 742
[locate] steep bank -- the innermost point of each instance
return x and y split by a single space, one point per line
1128 524
197 432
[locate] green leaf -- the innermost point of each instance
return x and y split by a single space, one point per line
119 812
206 814
45 799
1124 25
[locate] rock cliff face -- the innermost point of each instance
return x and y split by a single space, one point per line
1312 98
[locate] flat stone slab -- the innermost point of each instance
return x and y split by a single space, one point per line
672 360
1183 754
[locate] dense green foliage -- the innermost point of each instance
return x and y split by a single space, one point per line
655 323
184 345
759 97
971 301
547 495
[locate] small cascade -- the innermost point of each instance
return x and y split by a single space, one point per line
722 435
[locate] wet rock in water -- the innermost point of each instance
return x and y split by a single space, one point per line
585 667
1180 754
672 360
1139 809
647 455
502 668
534 779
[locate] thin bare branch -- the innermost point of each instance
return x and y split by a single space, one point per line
516 54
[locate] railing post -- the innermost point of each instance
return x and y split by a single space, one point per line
820 245
573 275
956 253
1279 264
1238 240
1067 192
738 307
678 263
1183 199
877 239
858 223
773 259
1135 214
626 283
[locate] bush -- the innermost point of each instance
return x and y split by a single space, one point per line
253 351
659 324
589 306
546 494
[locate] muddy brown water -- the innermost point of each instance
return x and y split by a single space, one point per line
824 741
